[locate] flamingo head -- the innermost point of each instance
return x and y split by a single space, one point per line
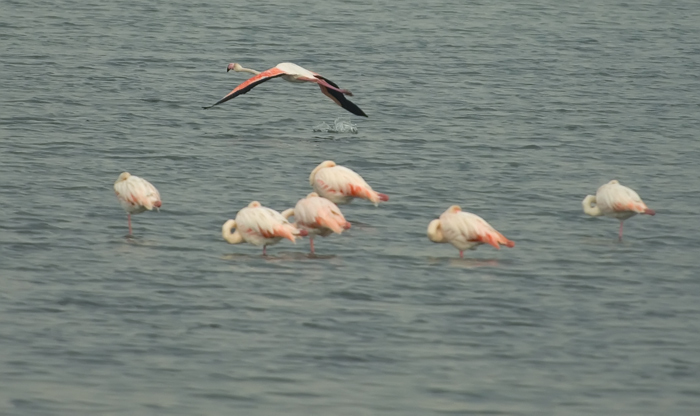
454 209
123 176
324 164
236 67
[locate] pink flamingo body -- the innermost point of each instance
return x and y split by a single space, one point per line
465 231
292 73
136 195
615 201
341 185
318 216
260 226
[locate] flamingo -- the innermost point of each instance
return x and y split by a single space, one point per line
465 230
615 201
318 216
260 226
136 195
340 184
292 73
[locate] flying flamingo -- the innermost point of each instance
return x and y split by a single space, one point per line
615 201
260 226
318 216
340 184
465 230
135 195
292 73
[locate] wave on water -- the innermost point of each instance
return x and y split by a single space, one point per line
340 125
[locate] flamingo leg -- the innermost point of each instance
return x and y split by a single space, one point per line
620 233
128 219
461 254
325 84
265 250
311 240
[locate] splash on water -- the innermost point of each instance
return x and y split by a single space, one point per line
340 125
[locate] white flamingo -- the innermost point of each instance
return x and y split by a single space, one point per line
615 201
292 73
136 195
465 231
318 216
260 226
341 185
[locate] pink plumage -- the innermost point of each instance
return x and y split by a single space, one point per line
136 195
615 201
341 185
465 231
260 226
292 73
318 216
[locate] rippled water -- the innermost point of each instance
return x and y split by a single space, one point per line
515 111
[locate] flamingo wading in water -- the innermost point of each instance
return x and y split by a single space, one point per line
292 73
341 185
260 226
615 201
136 195
318 216
465 231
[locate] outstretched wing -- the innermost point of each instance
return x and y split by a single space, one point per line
339 98
250 84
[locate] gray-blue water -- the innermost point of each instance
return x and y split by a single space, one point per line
514 110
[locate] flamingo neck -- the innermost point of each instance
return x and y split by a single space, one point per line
241 69
590 207
231 237
288 213
435 232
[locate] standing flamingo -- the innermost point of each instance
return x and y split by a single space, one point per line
260 226
465 230
135 195
615 201
340 184
318 216
292 73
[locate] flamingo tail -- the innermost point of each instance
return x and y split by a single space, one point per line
495 239
637 206
327 220
371 195
285 231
